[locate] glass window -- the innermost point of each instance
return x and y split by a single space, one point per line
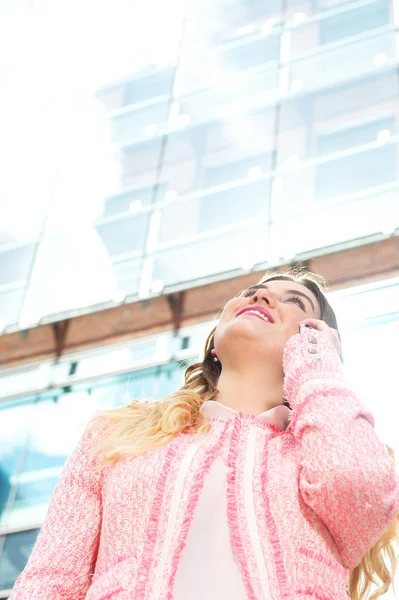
234 205
357 135
217 66
168 381
368 56
128 234
375 389
75 271
111 392
141 383
10 305
112 97
149 86
217 254
119 358
250 166
139 163
213 22
124 235
361 304
304 120
56 427
355 21
15 263
151 384
215 210
127 275
360 170
139 123
231 94
24 379
350 220
336 23
130 200
16 551
14 424
194 337
218 152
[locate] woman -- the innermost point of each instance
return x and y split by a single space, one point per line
261 478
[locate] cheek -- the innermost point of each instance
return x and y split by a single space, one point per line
293 315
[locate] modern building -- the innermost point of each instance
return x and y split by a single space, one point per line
157 160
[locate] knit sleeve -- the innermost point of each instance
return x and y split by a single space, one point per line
346 474
65 552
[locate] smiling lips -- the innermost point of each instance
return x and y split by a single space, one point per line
259 312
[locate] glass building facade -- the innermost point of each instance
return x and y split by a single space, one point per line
170 143
159 151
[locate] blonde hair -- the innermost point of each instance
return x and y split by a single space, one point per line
143 425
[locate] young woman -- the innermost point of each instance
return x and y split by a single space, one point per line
261 478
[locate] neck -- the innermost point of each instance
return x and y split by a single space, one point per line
250 392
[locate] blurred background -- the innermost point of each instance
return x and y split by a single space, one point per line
157 158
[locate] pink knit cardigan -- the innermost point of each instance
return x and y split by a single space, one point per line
325 490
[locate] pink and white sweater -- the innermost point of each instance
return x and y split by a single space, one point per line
270 507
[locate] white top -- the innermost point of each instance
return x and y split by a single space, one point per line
208 567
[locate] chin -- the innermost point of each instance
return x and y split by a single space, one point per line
241 333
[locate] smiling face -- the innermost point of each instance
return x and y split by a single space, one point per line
252 338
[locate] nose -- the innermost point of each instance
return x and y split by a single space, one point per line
263 295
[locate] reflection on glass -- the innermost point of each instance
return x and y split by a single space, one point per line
355 21
130 201
347 20
356 60
218 254
231 94
56 428
211 22
215 210
127 275
360 170
139 123
158 83
120 358
331 120
14 425
230 63
168 381
194 107
75 271
15 263
124 235
335 224
139 163
217 153
111 393
16 551
248 167
34 376
10 306
376 390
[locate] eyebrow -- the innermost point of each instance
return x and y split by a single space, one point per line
262 285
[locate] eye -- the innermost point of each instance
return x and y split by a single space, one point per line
302 304
247 292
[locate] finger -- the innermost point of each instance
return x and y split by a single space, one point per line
316 323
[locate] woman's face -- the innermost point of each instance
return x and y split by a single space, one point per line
255 339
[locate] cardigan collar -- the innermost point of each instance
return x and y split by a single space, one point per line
279 416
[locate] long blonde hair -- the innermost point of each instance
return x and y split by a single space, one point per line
143 425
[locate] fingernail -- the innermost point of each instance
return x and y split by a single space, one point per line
302 327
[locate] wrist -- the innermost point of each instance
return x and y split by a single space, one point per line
306 356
